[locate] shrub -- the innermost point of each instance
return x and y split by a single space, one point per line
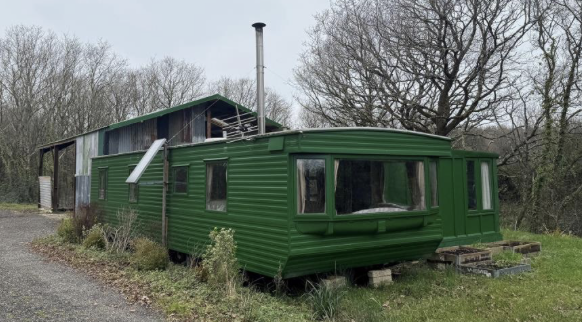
325 300
118 237
84 218
66 231
149 255
94 238
220 263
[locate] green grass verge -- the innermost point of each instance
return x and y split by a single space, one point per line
552 292
22 207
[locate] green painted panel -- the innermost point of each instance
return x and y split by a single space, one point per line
447 196
261 202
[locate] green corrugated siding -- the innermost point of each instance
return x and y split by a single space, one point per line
149 205
257 200
256 206
314 253
368 142
460 227
261 206
401 250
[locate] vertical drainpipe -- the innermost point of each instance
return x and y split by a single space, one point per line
260 77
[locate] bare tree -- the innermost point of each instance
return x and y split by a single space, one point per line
559 38
175 82
54 87
428 66
243 91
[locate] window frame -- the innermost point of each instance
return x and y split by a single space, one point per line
105 171
326 163
491 192
479 186
477 182
429 194
173 178
131 167
331 213
208 162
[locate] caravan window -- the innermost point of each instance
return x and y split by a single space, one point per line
102 184
132 188
216 186
180 179
310 186
471 187
365 186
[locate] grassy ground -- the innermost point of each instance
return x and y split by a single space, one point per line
21 207
552 292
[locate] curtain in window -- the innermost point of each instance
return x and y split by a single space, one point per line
485 185
300 186
434 184
209 183
336 168
419 204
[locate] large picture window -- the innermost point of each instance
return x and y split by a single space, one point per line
102 184
365 186
486 186
310 186
216 186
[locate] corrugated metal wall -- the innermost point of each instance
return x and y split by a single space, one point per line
180 126
45 184
82 191
199 122
87 146
134 137
188 126
184 126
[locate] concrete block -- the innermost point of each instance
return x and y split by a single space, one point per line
380 273
379 281
335 281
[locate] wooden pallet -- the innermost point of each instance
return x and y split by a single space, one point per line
522 247
493 272
460 255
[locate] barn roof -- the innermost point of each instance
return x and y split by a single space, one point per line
213 99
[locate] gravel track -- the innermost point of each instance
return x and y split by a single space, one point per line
32 289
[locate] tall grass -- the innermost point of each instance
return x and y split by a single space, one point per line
325 300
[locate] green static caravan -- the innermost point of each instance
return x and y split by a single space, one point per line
311 201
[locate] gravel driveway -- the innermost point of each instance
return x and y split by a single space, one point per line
32 289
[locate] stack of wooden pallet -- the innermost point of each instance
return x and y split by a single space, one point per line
479 260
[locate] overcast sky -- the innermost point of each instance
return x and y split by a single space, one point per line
216 35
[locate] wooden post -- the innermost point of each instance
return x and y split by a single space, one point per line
55 199
164 192
208 124
40 159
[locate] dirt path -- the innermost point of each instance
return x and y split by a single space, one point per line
32 289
